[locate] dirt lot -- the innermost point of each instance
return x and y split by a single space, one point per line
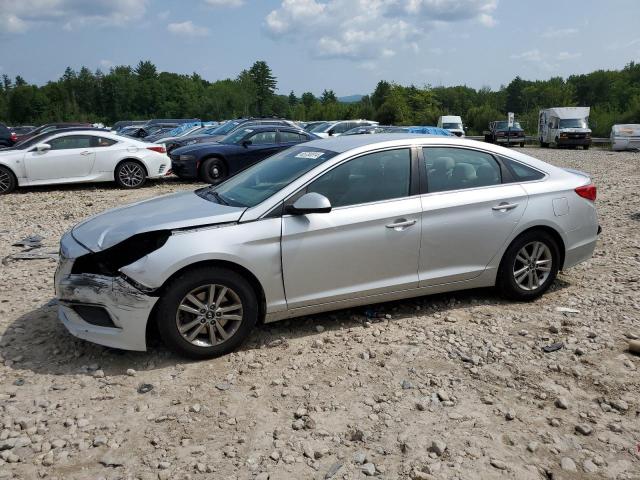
449 386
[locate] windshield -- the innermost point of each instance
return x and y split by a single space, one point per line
505 125
573 123
321 127
236 136
225 128
452 126
259 182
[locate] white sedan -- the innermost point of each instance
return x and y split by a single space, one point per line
77 156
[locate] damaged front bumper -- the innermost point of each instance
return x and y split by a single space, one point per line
101 309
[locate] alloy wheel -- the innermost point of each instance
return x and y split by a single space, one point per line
209 315
131 174
5 181
532 265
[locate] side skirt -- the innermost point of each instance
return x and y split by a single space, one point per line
486 279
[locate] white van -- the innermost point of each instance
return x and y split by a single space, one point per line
453 123
564 126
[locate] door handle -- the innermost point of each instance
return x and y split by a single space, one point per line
401 224
503 207
85 153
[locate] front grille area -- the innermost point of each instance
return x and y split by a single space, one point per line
94 315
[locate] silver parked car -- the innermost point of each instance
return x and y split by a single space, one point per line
321 226
625 137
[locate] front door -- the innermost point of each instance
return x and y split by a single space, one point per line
468 214
70 156
263 144
368 244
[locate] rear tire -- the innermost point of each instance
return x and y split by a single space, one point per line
585 147
213 170
543 144
230 317
8 182
130 174
529 266
522 145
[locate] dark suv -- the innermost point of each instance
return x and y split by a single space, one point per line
7 137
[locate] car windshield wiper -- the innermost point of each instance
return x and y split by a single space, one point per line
219 198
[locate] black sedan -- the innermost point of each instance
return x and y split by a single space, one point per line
215 162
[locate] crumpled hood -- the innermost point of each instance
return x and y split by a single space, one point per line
168 212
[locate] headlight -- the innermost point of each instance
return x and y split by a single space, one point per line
187 158
191 142
109 261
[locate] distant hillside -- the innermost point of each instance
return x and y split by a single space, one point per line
350 98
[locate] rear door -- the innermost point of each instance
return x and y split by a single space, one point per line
468 213
70 156
288 138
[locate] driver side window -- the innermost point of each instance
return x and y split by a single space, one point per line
263 138
370 178
70 142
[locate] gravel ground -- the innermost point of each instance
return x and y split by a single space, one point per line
448 386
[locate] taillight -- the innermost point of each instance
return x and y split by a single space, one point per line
587 191
14 137
159 149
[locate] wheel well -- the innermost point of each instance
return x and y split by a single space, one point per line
240 270
554 234
132 160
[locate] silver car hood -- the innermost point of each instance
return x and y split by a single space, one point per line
168 212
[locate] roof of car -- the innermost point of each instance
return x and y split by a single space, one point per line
343 143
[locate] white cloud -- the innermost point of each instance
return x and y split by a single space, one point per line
106 64
365 30
568 56
68 14
225 3
187 29
559 32
536 58
534 55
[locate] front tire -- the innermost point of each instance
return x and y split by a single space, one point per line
207 312
213 170
130 174
8 181
529 266
585 147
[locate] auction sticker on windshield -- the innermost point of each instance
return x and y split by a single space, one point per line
310 155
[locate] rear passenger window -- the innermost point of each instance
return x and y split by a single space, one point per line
522 173
288 137
458 168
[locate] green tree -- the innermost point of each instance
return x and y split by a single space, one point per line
265 84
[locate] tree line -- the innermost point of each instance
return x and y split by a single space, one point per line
140 92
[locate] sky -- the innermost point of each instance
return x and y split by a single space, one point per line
312 45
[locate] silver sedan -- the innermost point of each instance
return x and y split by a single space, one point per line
325 225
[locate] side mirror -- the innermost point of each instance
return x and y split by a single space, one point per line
43 147
246 143
331 132
311 202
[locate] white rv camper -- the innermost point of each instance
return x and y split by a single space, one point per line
564 127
